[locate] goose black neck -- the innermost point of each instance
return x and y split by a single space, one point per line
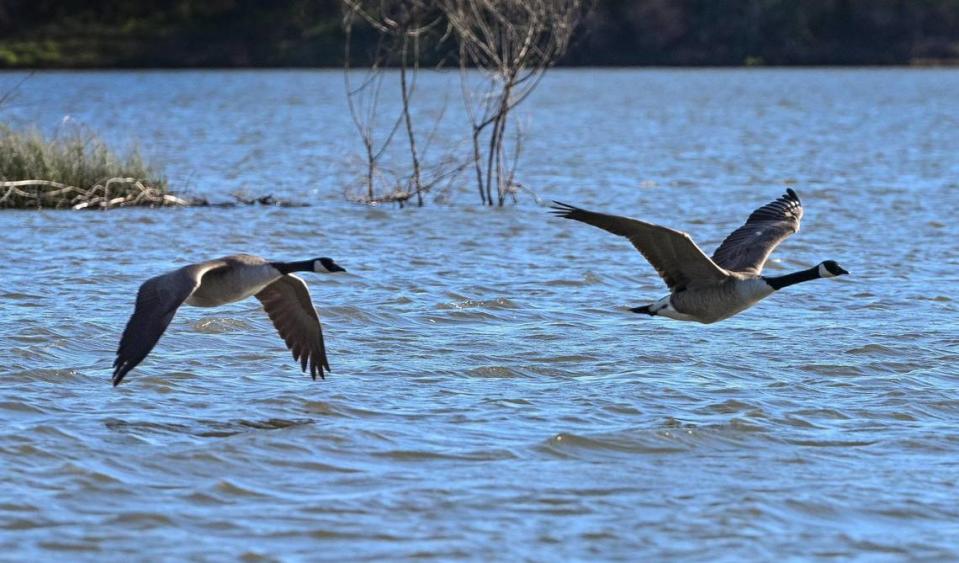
779 282
290 267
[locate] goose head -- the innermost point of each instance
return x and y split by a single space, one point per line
326 266
831 269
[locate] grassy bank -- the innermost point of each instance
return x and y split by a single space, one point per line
74 169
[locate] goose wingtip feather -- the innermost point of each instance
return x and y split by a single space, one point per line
118 375
561 209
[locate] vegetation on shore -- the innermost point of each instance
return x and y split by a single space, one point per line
75 169
308 33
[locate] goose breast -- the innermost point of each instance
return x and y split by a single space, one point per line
231 283
721 301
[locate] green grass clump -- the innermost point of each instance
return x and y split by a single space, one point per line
73 169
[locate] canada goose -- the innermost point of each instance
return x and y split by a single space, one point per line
284 296
709 290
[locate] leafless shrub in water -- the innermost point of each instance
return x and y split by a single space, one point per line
364 100
512 43
400 26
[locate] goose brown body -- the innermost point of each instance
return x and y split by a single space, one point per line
285 298
707 289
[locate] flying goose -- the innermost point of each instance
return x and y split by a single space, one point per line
709 290
225 280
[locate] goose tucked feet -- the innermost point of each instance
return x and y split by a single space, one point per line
663 308
654 309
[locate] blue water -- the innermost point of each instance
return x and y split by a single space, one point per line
491 395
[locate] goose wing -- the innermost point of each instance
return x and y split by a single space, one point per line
675 256
288 304
157 301
747 248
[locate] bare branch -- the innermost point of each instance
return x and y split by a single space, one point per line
512 43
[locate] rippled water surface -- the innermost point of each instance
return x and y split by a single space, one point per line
491 395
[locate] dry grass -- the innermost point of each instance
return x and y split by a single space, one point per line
75 169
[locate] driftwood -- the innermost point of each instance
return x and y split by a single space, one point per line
399 196
241 198
115 192
112 193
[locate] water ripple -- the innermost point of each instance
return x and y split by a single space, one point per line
491 396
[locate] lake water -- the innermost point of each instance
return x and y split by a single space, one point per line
491 395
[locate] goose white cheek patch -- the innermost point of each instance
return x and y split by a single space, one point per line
824 273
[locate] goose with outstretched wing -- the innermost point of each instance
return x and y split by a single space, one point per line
284 296
708 289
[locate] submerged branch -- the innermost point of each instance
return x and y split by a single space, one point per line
24 194
110 194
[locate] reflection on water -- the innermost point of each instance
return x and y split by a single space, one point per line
491 395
